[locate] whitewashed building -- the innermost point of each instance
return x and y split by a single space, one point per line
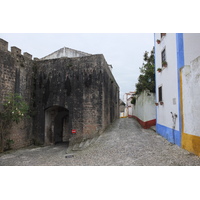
144 110
122 109
176 88
129 106
66 52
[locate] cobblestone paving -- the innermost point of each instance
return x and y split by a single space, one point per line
124 143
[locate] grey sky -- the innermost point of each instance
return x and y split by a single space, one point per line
124 51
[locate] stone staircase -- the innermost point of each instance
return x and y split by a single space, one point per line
82 145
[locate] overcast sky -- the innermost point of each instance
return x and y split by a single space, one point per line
123 51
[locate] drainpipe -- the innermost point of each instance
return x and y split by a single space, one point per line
174 117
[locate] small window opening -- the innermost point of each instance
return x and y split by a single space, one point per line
162 34
163 55
160 94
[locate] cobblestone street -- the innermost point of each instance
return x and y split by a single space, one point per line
124 143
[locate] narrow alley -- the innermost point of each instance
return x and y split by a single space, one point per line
124 143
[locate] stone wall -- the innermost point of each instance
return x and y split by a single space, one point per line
16 77
3 45
84 86
63 94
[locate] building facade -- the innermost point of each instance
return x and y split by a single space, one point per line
76 93
128 111
122 109
176 58
144 109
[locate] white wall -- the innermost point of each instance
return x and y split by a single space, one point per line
145 108
130 110
168 79
191 46
129 107
191 97
66 52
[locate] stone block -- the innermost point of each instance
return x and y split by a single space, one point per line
3 45
27 55
15 51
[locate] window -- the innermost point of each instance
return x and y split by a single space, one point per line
162 34
163 55
160 94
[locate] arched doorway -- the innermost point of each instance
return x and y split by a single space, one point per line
57 128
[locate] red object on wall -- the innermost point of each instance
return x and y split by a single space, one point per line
73 131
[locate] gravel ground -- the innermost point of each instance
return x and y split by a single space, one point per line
124 143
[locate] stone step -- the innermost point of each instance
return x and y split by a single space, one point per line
93 140
76 147
69 149
98 138
87 144
82 145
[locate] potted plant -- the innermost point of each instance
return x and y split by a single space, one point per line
158 41
164 63
159 70
161 102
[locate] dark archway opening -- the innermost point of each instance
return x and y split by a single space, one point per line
57 129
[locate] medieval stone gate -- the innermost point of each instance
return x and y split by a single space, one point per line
57 127
63 93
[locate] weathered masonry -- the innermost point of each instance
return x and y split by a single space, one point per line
63 93
16 76
79 93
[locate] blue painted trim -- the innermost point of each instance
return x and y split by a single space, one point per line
180 64
155 75
180 50
171 135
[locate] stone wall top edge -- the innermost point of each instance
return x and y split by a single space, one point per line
13 49
13 53
83 58
73 58
63 50
90 58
